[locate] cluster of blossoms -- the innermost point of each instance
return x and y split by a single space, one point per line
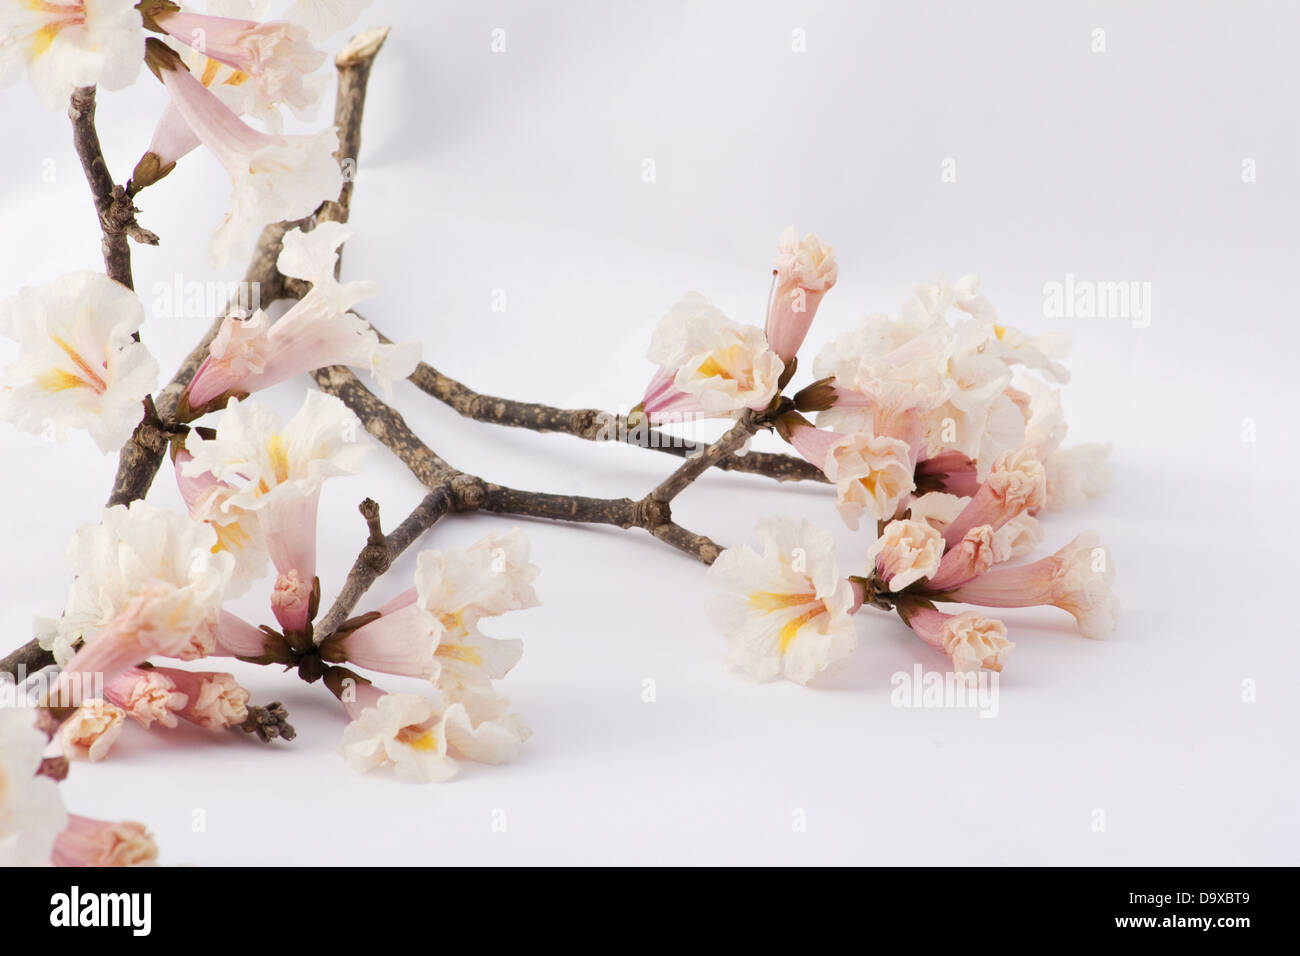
945 434
149 583
216 67
35 828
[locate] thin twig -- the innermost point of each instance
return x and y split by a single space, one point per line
593 424
735 436
371 563
113 207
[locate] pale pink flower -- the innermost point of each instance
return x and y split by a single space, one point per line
87 842
277 469
968 558
708 365
1076 579
91 730
906 552
146 695
274 177
214 700
872 474
402 641
805 271
1017 483
274 56
969 639
247 356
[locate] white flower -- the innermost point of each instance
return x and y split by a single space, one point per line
785 608
871 473
77 364
274 58
66 44
91 730
899 367
138 551
1077 473
460 587
31 807
238 530
402 730
709 365
249 354
274 177
978 419
431 631
313 256
323 18
266 459
1038 352
906 552
276 469
1045 426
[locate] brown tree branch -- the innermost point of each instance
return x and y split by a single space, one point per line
735 436
592 424
113 207
471 493
380 552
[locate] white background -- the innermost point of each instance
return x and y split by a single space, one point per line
522 171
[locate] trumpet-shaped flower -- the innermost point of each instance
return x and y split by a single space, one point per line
66 44
274 177
275 57
805 271
78 365
871 474
906 552
1016 484
158 566
969 639
213 700
1076 579
249 354
238 531
91 730
146 696
708 365
277 470
785 608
